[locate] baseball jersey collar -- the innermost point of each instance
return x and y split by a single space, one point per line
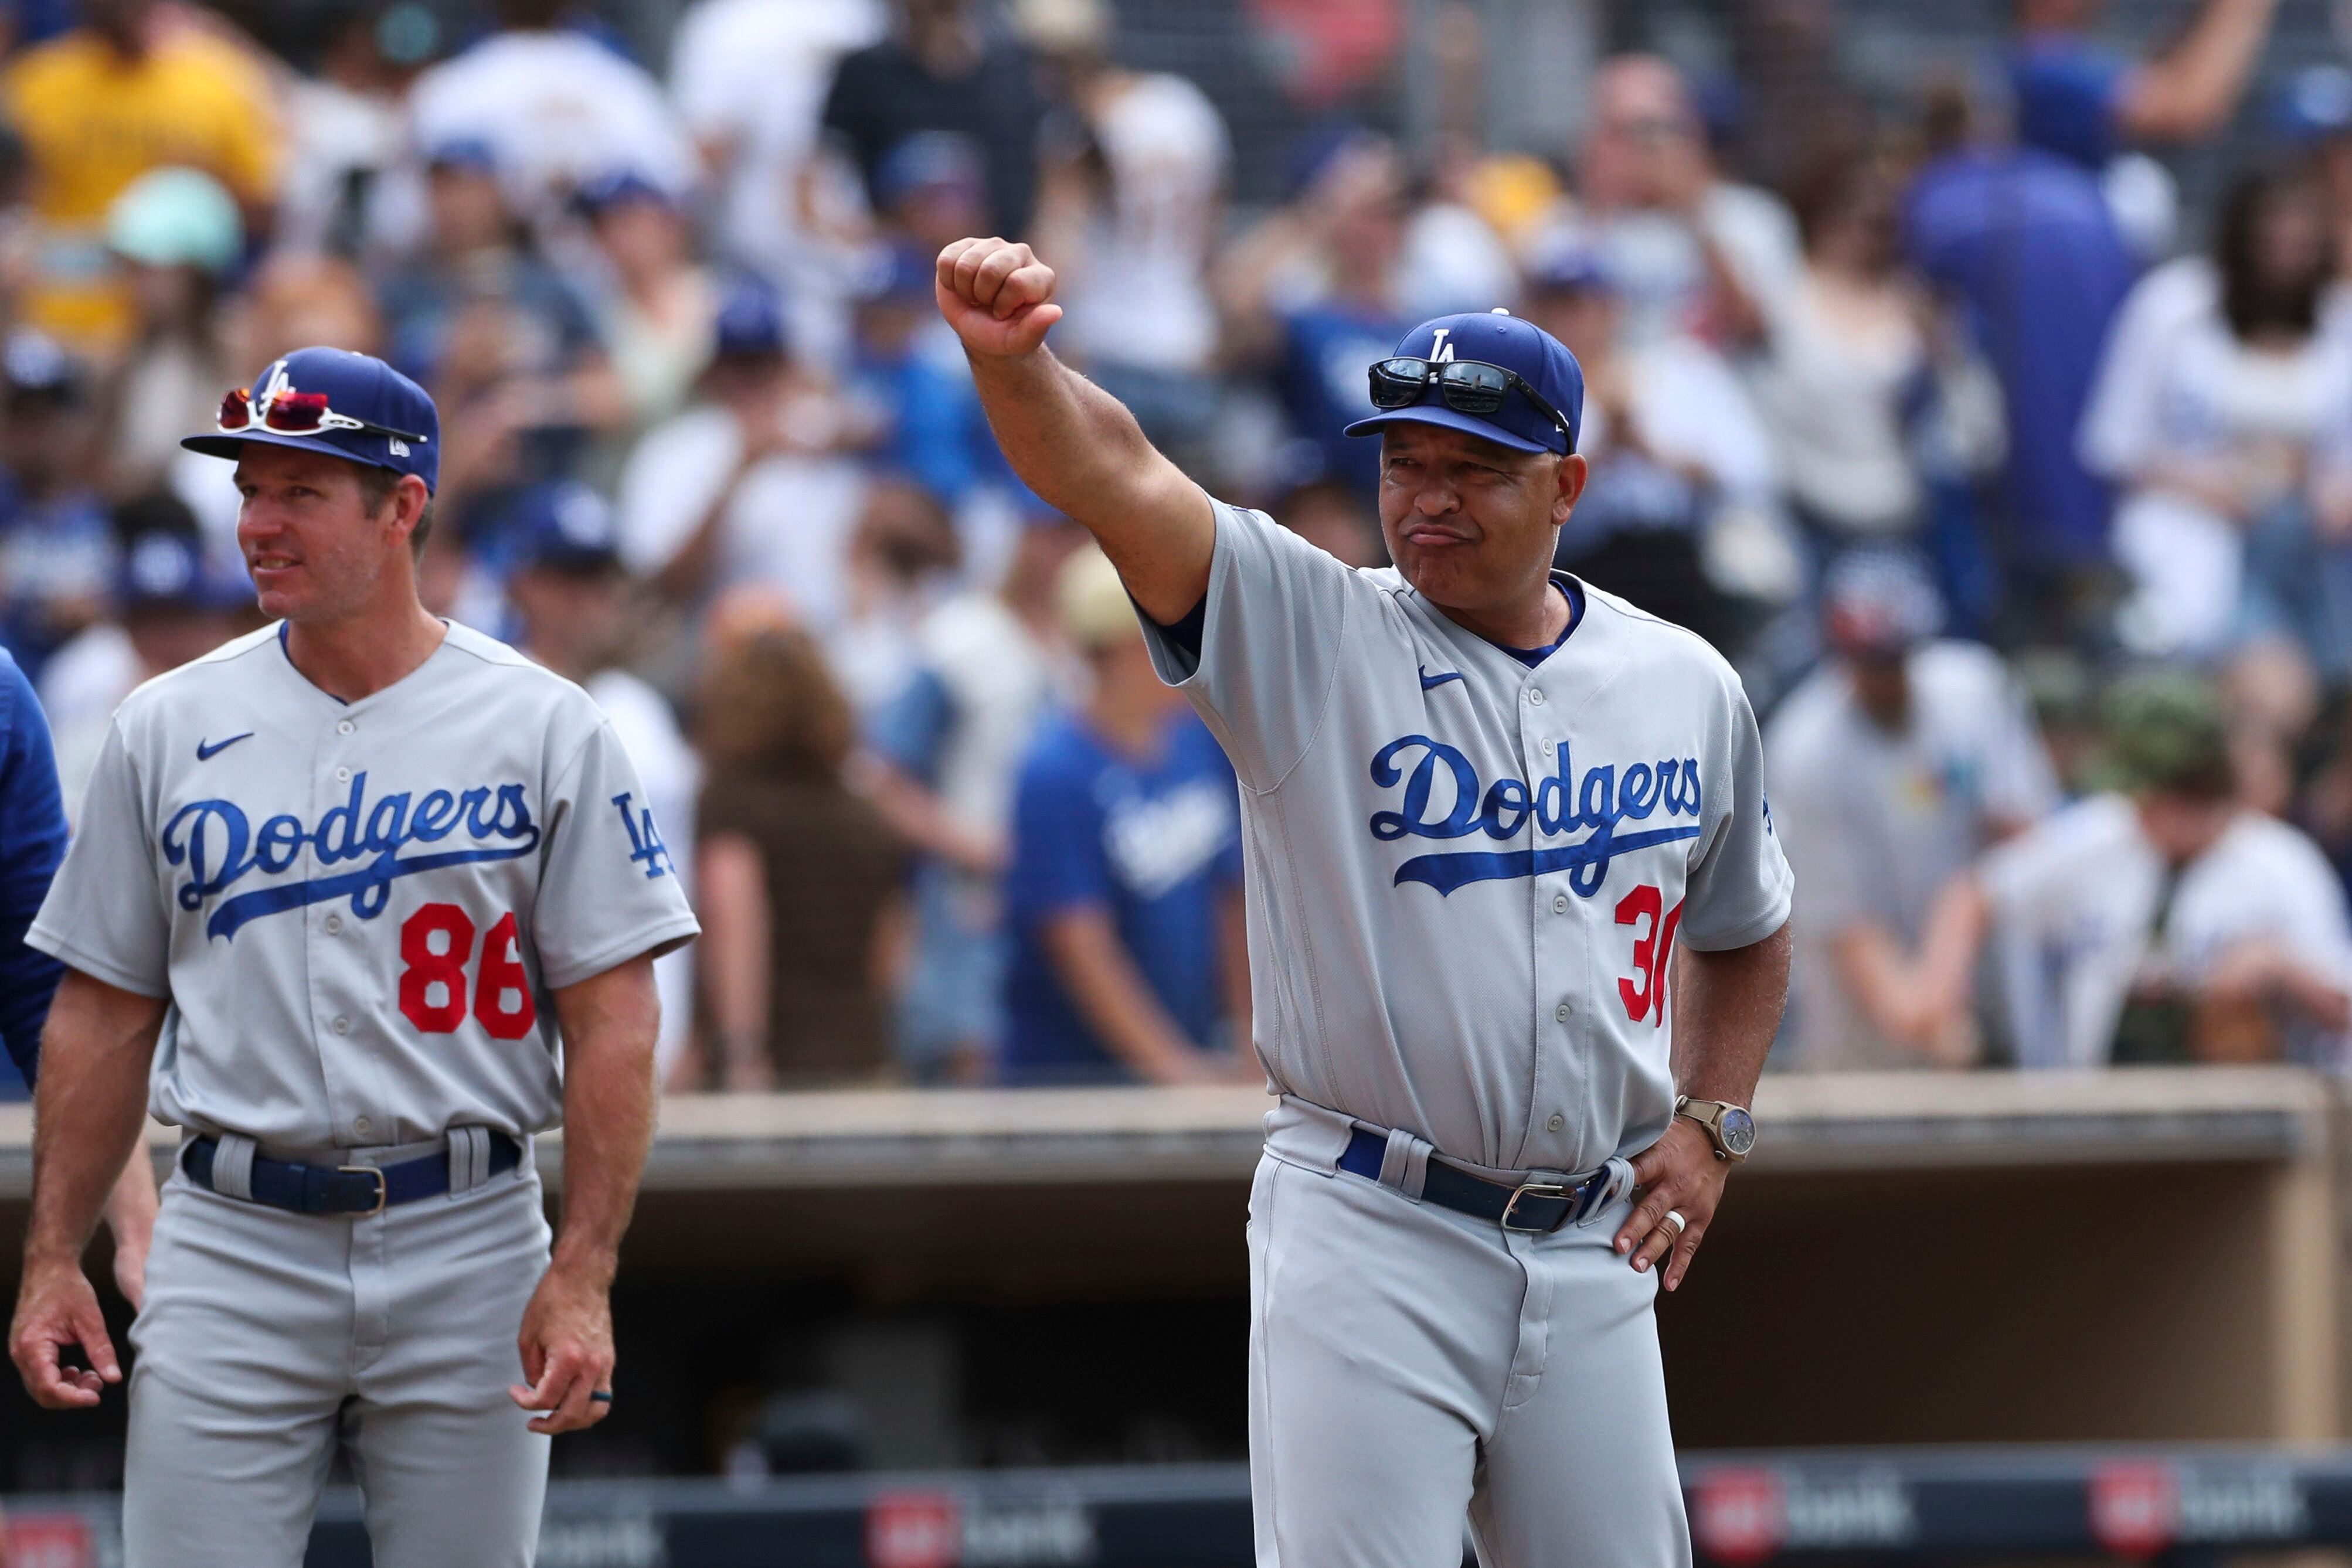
449 631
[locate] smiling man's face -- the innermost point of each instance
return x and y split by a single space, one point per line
316 548
1469 522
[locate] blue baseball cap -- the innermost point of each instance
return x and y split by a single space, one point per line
562 526
1566 260
617 187
162 569
2316 103
750 322
1879 601
1494 337
405 436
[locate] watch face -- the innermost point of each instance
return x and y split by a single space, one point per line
1738 1129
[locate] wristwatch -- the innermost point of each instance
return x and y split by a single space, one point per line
1729 1127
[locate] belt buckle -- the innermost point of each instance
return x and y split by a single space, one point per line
1539 1189
382 1193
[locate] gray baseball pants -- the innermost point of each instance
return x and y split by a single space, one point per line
267 1337
1410 1367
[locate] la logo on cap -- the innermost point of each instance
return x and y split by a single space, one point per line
1441 353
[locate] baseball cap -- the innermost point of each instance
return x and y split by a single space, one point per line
751 322
34 365
1878 602
930 161
474 154
563 526
1095 608
359 386
2316 103
616 188
164 568
1494 337
176 217
2163 730
901 274
1564 260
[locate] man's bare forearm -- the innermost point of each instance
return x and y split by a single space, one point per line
1731 1005
1083 453
609 1025
2195 86
1069 440
93 1099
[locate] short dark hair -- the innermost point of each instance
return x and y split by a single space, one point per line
376 486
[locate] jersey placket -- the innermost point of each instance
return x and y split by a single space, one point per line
1558 936
335 935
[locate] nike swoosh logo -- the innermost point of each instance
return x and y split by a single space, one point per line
1428 680
207 753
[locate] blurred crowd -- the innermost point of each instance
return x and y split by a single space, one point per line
2019 493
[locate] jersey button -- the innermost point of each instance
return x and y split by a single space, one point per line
1545 745
1558 905
1535 696
1560 1012
362 1126
343 1024
346 728
1556 1123
334 924
342 775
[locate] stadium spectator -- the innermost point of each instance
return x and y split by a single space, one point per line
943 69
1312 295
1693 253
57 558
1124 893
1890 769
2227 405
554 107
2313 116
752 485
947 751
173 233
749 78
297 298
2085 103
799 879
1858 364
345 126
1334 519
1133 191
914 389
658 308
138 86
900 562
1982 217
505 343
1679 459
171 602
572 603
2161 922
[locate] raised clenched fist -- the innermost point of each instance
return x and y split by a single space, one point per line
997 297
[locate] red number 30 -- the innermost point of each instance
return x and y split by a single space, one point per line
433 978
1652 951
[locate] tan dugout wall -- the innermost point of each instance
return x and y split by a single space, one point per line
1910 1258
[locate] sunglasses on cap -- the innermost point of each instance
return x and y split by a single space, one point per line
1468 386
292 413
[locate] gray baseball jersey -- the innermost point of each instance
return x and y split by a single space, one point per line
359 911
1465 875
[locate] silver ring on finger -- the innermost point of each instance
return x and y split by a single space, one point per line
1674 1218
